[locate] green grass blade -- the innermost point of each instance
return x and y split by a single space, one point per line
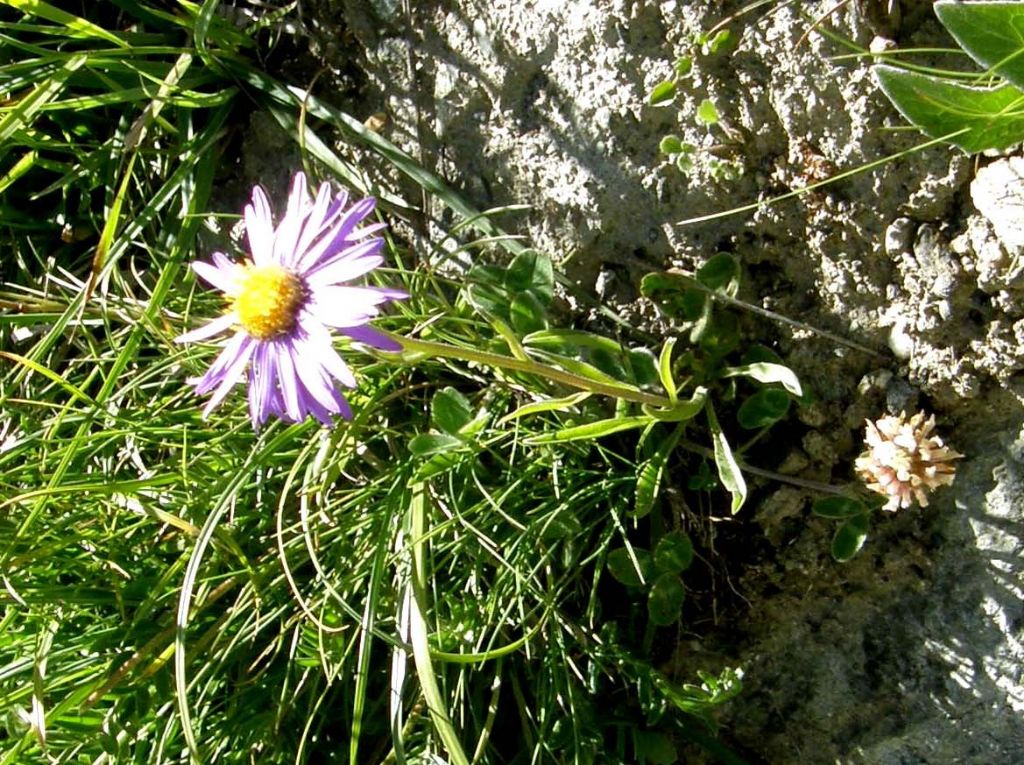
419 630
75 26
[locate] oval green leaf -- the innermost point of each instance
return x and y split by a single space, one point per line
527 313
838 508
849 538
992 33
631 570
973 118
670 144
450 410
764 408
426 444
662 93
665 600
673 553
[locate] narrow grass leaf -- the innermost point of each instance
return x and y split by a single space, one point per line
76 26
26 108
591 430
548 405
419 631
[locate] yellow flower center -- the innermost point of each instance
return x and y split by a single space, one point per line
268 301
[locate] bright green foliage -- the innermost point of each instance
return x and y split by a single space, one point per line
707 113
985 114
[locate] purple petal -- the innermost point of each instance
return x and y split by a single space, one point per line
345 268
335 242
289 387
214 327
216 371
224 278
337 205
346 306
262 374
316 222
259 227
287 234
366 231
367 335
322 392
231 375
317 344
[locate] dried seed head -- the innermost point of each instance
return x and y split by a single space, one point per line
904 461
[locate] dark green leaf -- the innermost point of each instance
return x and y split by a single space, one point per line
991 32
611 362
849 538
527 313
764 408
488 299
621 566
426 444
973 118
695 306
720 272
655 748
643 366
531 270
665 600
760 354
673 553
702 480
683 66
720 335
838 508
450 410
662 93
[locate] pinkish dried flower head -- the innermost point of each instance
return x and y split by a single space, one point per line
904 460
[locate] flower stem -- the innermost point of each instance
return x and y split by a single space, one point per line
615 390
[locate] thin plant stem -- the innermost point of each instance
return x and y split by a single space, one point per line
443 350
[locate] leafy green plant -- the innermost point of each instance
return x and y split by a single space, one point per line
685 154
657 574
854 517
974 112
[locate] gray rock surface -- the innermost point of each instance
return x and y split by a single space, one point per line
912 652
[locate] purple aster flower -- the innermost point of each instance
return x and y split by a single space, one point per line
283 302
